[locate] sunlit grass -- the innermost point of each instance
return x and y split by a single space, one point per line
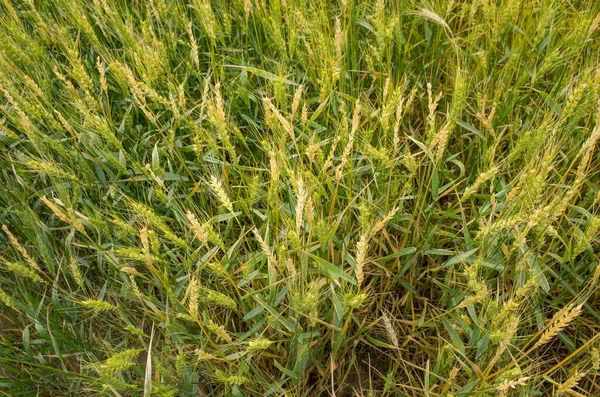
299 198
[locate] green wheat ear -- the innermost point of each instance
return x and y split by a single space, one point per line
258 344
97 305
118 362
8 301
24 271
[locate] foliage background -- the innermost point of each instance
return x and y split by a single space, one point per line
299 198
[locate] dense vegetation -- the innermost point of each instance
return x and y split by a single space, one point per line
299 198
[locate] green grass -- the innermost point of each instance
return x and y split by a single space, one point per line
299 198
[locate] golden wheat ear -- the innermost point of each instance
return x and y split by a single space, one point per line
560 321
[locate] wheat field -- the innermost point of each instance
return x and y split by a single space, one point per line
299 198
